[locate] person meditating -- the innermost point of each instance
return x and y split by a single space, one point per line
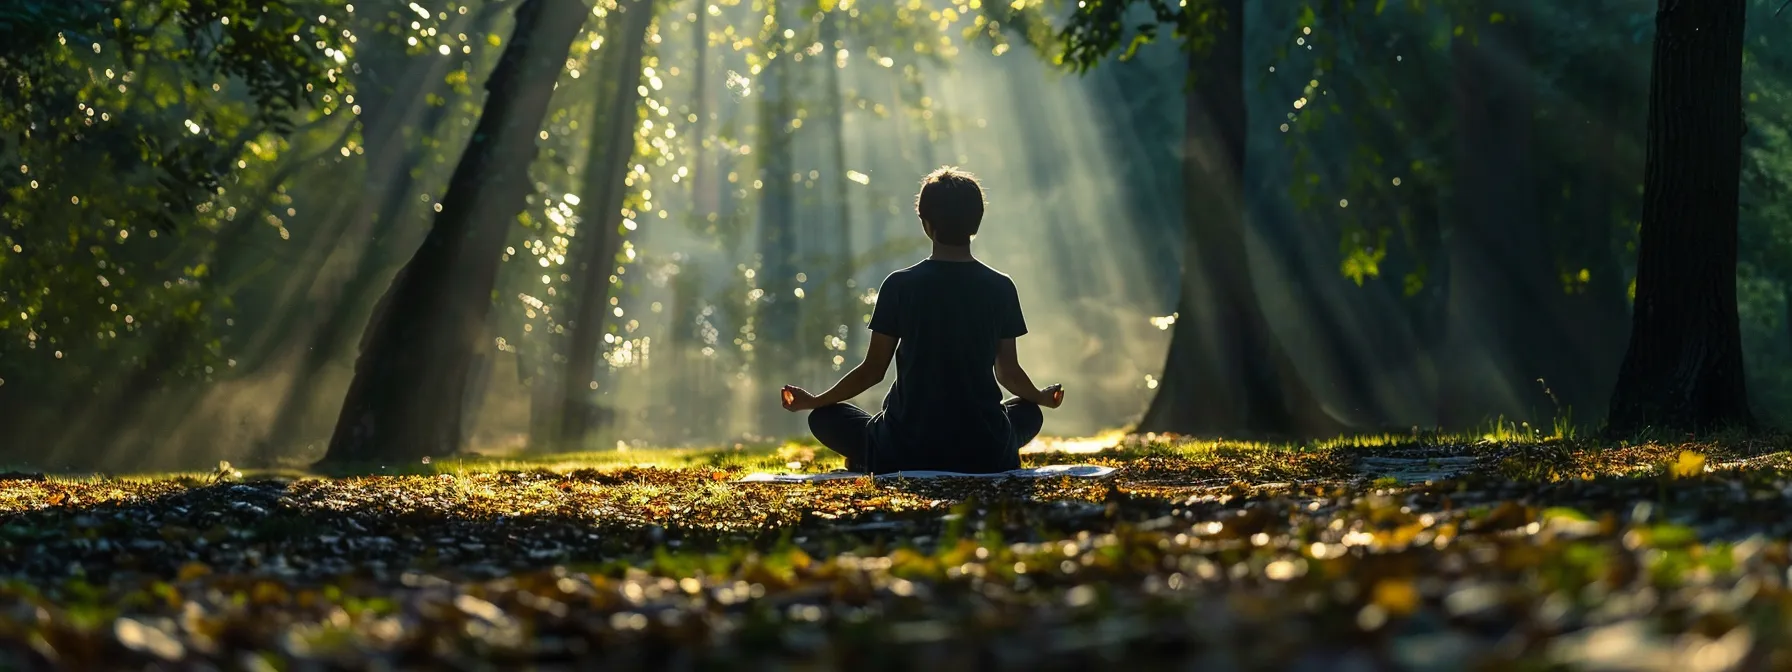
950 322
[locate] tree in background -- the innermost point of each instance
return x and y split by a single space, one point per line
406 400
1683 370
410 94
1225 372
613 126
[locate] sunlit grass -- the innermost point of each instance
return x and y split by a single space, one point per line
1090 444
1526 452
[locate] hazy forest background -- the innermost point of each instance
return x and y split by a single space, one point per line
199 217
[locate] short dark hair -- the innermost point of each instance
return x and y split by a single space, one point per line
952 202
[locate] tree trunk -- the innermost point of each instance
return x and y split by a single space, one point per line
390 184
406 398
352 301
1683 370
1225 371
598 239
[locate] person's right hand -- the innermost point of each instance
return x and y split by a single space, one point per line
796 399
1054 396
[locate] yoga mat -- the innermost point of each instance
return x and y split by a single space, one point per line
1052 471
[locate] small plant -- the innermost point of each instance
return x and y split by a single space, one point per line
225 473
1564 424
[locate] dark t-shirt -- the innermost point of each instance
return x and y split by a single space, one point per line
944 411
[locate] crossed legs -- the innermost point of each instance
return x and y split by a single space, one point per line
842 428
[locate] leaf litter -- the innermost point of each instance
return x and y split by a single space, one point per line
1659 556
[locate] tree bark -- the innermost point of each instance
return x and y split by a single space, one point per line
353 300
598 240
1683 370
406 398
1225 372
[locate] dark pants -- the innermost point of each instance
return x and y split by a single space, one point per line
842 428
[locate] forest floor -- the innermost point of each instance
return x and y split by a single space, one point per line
1498 552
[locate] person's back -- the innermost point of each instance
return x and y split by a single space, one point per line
950 324
945 409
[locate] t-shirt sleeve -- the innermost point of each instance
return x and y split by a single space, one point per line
886 314
1011 324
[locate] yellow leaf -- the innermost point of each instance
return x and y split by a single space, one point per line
1397 596
1689 464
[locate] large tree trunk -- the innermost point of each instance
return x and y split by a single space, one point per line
1225 371
1683 369
616 114
378 233
1506 298
353 300
406 398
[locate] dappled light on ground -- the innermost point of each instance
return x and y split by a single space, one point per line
1088 444
1213 554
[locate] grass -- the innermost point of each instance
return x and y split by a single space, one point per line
1515 551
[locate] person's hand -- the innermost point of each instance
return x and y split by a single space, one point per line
1054 396
797 399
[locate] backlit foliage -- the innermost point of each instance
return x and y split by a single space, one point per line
136 136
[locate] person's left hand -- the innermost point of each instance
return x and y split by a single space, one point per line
797 399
